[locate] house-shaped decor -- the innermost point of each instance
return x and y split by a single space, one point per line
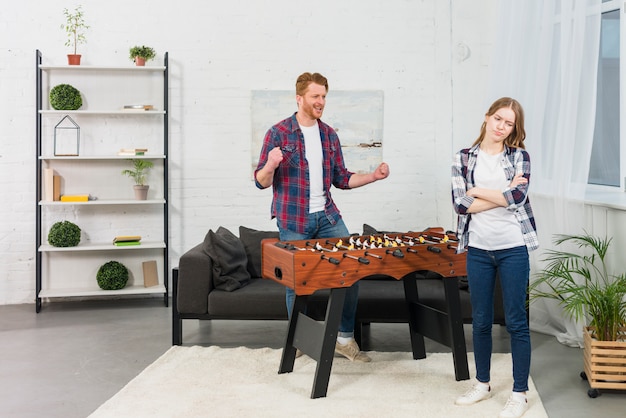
66 137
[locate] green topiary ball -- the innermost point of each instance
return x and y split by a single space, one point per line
65 97
64 234
112 276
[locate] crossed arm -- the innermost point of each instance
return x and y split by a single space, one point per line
485 199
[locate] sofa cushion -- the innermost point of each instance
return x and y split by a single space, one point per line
370 230
251 240
229 259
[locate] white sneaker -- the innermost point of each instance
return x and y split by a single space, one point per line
515 407
477 393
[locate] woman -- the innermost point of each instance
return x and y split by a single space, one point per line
497 228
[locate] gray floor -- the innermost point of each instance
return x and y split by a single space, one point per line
73 356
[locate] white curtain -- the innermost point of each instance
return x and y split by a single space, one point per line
546 57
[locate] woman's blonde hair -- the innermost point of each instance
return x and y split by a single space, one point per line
518 134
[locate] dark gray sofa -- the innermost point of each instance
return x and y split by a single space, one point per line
224 261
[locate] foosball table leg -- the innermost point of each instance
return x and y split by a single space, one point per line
330 330
455 322
315 338
417 339
289 350
443 327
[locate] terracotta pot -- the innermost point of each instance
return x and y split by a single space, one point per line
73 59
140 62
141 192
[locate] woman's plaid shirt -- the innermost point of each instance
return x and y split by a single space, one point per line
517 161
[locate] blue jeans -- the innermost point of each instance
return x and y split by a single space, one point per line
320 227
514 268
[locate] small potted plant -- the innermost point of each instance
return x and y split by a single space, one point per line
64 234
141 54
75 28
65 97
139 173
112 275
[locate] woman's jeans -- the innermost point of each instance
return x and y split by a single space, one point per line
513 266
320 227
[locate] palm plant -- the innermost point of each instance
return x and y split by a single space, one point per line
583 285
139 172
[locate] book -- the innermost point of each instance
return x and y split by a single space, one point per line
150 275
74 198
48 185
126 243
126 238
56 188
132 151
138 107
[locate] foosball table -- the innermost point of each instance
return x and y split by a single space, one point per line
307 266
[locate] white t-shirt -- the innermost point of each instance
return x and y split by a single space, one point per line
313 154
497 228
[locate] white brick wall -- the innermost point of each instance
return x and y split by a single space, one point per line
219 53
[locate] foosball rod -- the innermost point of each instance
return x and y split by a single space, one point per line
361 260
337 245
368 254
288 246
331 260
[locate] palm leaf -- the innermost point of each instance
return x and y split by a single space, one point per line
582 284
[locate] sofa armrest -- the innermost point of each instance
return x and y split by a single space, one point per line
195 281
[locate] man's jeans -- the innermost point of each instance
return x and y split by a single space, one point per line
320 227
513 266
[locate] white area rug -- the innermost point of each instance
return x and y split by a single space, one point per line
242 382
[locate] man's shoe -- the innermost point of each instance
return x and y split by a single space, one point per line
352 352
477 393
515 407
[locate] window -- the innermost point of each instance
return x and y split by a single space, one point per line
606 155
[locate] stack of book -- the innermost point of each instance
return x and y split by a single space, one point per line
132 151
139 107
125 240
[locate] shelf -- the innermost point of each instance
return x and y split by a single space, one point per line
96 291
147 68
109 127
105 202
46 248
103 112
102 157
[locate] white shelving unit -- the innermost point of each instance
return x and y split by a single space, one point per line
66 272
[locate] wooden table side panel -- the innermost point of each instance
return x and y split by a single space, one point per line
306 271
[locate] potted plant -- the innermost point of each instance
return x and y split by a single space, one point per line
584 287
112 275
64 234
141 54
75 28
139 173
65 97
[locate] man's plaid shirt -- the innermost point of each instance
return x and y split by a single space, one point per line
290 203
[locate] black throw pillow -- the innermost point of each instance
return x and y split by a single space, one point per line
229 259
251 239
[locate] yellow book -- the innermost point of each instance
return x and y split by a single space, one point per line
74 198
126 238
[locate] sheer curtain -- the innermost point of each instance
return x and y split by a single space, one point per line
546 56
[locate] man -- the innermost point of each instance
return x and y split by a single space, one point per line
301 158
